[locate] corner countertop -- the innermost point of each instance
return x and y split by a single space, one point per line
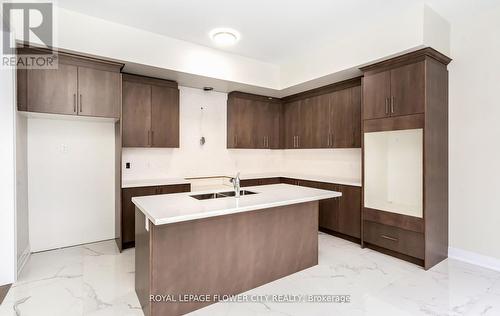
180 207
133 183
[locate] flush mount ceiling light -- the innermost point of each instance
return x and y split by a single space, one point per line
224 36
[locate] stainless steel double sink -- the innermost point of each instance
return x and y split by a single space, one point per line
218 195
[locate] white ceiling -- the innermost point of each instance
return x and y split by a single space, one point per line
271 30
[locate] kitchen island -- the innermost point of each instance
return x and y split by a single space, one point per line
197 247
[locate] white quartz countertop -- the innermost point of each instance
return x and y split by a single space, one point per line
131 183
180 207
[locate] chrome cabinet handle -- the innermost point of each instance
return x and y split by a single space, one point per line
392 104
81 104
389 238
74 102
387 105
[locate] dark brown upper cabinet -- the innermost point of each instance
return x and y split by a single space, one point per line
291 122
327 117
253 121
164 117
345 122
99 92
394 92
150 112
78 86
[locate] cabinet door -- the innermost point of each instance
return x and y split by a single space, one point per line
319 124
22 89
164 117
329 209
99 93
376 95
408 89
305 124
262 123
53 90
349 212
128 212
291 124
346 118
276 123
240 123
136 114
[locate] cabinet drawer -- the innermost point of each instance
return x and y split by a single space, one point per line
403 241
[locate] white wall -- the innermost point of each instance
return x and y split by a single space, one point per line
403 26
22 220
475 128
70 182
7 173
214 159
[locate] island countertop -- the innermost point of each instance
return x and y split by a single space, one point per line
180 207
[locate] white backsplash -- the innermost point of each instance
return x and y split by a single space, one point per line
214 159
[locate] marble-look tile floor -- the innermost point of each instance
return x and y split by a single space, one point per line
96 279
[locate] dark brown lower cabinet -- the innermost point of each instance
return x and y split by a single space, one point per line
127 219
403 241
398 235
263 181
339 216
349 219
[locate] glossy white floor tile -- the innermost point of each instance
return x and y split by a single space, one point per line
96 280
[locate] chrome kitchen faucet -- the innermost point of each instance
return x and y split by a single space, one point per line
236 185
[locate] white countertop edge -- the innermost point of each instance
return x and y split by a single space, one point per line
215 213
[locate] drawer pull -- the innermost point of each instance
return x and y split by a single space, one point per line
389 238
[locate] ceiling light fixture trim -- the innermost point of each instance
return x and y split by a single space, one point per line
224 36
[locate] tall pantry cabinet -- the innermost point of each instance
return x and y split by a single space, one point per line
405 157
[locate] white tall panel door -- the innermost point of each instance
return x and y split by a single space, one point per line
393 171
71 189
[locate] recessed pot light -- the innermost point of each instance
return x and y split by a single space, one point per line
224 36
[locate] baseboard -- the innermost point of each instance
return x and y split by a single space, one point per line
474 258
21 262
